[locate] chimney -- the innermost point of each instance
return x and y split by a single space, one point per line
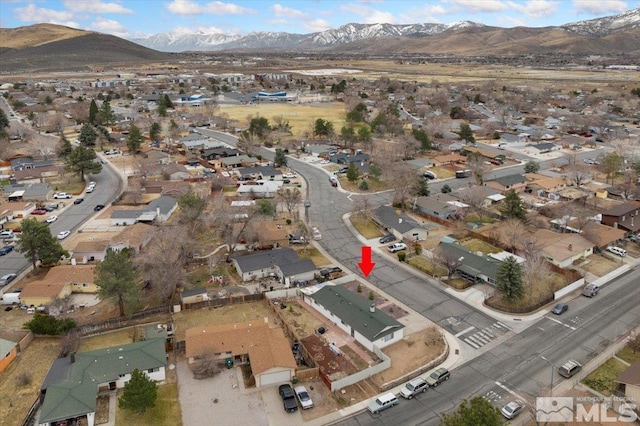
72 356
372 308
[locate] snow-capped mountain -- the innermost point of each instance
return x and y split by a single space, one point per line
198 41
607 25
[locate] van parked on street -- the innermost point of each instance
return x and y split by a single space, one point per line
382 402
617 250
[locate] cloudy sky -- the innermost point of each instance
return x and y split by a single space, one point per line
140 18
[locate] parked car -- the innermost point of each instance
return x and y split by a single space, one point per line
387 239
294 239
89 189
512 409
590 290
62 195
98 207
39 212
52 219
560 308
6 249
63 234
288 398
569 368
316 234
382 402
7 234
334 181
78 200
430 175
414 387
303 396
438 376
397 247
6 279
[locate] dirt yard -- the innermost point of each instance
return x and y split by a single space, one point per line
241 312
20 382
411 353
299 319
599 265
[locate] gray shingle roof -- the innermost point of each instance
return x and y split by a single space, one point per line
472 264
284 258
509 180
389 218
354 311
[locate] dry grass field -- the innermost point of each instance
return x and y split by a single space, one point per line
20 382
301 117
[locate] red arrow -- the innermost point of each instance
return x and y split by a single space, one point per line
366 266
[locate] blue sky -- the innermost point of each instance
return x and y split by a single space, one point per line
139 18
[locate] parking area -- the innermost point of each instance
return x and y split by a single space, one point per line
223 400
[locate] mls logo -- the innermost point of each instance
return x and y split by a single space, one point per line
554 409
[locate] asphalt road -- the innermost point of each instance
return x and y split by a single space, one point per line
515 367
108 187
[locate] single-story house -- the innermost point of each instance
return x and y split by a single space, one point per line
174 188
237 161
449 159
260 189
282 263
355 315
159 209
562 249
194 295
70 389
260 172
515 182
545 147
28 192
320 149
265 349
8 352
346 159
488 195
22 163
135 237
400 224
623 216
436 208
59 282
220 152
627 384
158 156
90 250
36 175
16 209
175 171
541 184
473 267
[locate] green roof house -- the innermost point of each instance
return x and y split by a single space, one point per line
71 386
357 316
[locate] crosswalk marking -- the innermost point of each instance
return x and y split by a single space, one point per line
484 336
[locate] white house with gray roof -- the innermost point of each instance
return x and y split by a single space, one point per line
159 209
401 224
356 316
282 263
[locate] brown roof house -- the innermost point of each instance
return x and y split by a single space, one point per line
628 383
59 282
135 236
505 184
90 250
563 249
265 349
623 216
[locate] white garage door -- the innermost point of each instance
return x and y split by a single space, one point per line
277 377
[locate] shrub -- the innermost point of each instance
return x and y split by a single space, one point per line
402 256
288 221
359 289
418 249
363 186
371 295
23 379
45 324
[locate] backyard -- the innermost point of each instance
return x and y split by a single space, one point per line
20 382
365 227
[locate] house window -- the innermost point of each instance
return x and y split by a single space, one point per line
387 337
153 370
624 218
121 375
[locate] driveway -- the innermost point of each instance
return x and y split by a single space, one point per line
235 405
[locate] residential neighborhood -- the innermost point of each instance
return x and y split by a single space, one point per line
214 232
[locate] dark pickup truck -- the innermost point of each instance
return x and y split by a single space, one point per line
288 398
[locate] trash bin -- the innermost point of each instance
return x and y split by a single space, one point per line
294 380
228 362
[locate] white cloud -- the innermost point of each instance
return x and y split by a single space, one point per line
31 13
317 25
535 8
369 15
287 13
109 26
601 7
515 22
428 13
479 6
188 7
95 6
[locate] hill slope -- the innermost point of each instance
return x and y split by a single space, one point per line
52 47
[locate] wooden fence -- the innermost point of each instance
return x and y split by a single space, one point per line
225 301
120 322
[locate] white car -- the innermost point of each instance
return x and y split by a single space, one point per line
316 234
512 409
289 175
397 247
303 396
52 219
62 195
63 234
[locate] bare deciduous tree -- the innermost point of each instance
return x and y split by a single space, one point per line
362 207
448 260
513 229
291 199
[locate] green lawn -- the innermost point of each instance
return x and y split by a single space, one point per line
426 266
166 412
601 380
628 354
